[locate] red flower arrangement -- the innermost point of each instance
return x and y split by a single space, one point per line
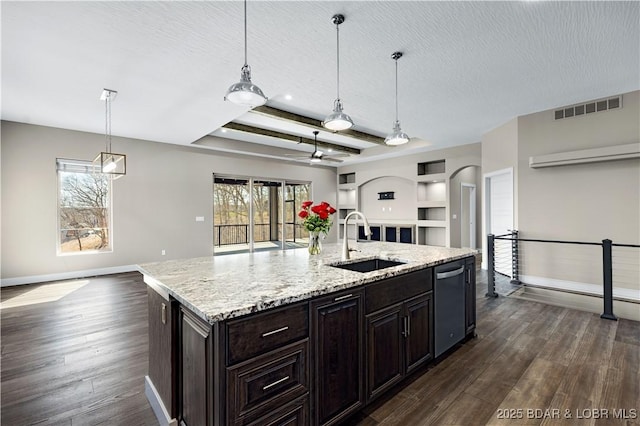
317 218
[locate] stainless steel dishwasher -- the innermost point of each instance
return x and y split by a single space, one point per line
449 305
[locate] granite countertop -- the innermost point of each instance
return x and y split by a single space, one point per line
227 286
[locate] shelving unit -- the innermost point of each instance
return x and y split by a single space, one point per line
431 203
429 225
347 201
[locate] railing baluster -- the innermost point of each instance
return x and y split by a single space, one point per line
607 281
515 273
491 277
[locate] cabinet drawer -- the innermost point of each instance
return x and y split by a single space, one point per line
261 385
295 414
397 289
261 333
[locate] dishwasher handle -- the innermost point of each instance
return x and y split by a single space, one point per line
455 272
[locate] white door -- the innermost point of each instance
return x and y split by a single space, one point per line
499 212
468 215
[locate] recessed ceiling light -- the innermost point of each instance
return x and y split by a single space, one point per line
288 97
224 130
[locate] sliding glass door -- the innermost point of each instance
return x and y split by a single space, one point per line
253 214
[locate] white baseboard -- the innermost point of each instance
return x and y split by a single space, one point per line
6 282
592 289
157 405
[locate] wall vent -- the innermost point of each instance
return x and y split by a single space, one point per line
589 107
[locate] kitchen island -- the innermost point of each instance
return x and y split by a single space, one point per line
282 337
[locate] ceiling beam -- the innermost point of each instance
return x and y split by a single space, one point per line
286 136
312 122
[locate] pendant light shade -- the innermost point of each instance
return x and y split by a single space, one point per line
244 92
397 136
107 162
337 120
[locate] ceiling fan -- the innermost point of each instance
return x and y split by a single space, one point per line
317 156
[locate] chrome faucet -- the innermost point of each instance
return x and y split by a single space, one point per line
367 232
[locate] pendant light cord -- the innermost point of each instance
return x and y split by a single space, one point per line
107 122
245 33
396 90
338 59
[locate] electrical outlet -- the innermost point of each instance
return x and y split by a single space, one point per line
164 252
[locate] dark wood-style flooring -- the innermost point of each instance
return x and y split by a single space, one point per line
81 360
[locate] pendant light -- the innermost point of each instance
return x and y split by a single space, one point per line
397 136
316 156
109 163
244 92
337 120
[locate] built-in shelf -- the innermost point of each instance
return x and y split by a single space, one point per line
432 223
432 236
432 213
346 178
347 198
431 167
342 213
432 191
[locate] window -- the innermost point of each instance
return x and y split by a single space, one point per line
84 208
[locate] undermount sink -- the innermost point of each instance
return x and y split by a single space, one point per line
367 265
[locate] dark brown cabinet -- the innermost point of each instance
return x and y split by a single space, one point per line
399 340
195 370
162 346
267 367
337 339
470 296
258 386
419 331
312 362
384 349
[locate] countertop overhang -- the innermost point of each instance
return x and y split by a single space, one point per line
221 287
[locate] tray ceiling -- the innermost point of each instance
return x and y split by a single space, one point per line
467 68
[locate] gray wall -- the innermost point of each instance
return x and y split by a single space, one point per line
154 205
582 202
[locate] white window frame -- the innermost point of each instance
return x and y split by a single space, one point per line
81 166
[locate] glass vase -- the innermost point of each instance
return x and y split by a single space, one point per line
314 242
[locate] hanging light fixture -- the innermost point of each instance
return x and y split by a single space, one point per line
397 136
316 156
107 162
337 120
245 92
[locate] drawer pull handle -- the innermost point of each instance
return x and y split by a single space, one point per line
275 383
269 333
343 297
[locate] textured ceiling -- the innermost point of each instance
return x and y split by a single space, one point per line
467 66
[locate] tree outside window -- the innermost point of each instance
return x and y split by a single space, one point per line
84 208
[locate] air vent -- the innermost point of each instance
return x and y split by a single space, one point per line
588 108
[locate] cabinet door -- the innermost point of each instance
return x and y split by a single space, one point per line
418 331
195 370
162 345
337 335
384 349
470 296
